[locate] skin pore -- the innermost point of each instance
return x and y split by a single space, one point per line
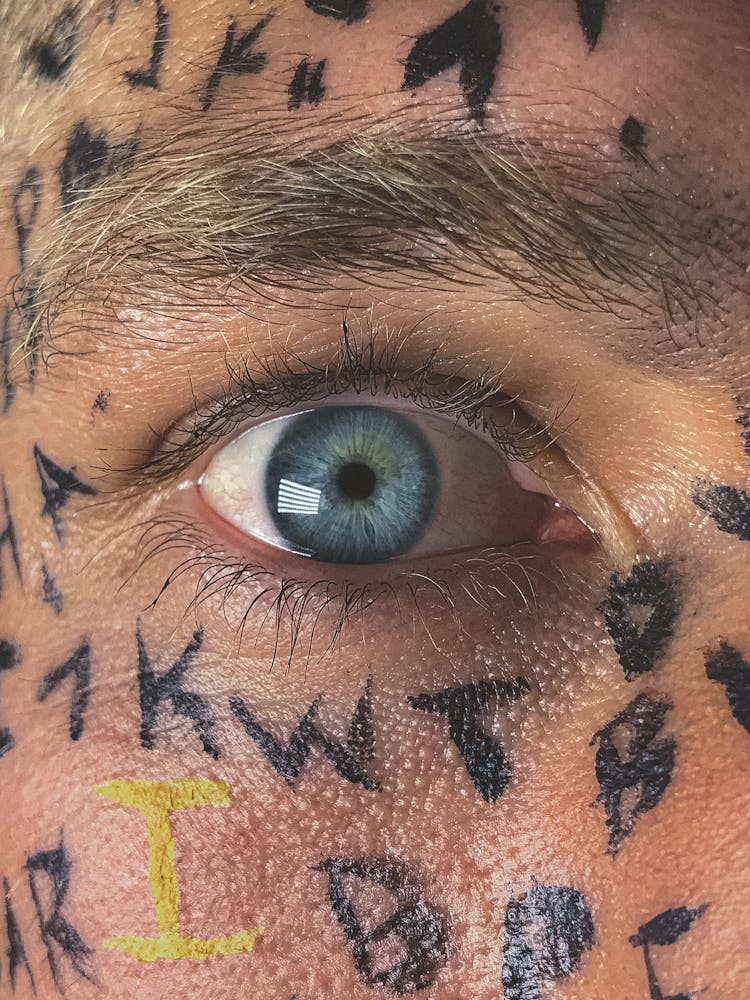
513 770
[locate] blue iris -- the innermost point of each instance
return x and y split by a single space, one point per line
352 484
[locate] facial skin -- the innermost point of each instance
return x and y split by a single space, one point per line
537 766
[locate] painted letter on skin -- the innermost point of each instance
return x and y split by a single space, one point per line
155 800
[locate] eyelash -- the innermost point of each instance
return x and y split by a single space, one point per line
372 368
368 369
294 603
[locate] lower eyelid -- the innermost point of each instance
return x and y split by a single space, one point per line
280 616
183 546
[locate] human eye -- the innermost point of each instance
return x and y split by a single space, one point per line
362 484
320 489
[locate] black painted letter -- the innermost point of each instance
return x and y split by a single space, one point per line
546 933
306 84
664 930
633 138
591 16
728 507
10 657
9 388
77 666
8 539
58 934
472 39
483 756
342 10
52 54
649 588
350 759
407 950
50 592
84 164
154 690
237 57
726 666
27 198
58 485
630 758
149 77
16 950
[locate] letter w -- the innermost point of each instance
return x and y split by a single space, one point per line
349 758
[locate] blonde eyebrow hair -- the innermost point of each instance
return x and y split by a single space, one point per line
247 210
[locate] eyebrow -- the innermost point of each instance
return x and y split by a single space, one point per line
388 208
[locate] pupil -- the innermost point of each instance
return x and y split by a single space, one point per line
357 481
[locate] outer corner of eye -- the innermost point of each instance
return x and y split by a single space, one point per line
365 484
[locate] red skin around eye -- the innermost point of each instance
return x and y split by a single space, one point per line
561 525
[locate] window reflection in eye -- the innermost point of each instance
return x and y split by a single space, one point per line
363 484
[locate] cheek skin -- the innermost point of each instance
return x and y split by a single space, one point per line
253 863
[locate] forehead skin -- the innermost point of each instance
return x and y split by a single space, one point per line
649 405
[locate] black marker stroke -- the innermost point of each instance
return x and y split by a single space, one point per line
84 164
728 507
350 759
77 667
16 950
633 767
472 39
407 950
50 592
53 52
26 200
639 613
341 10
725 666
101 403
633 138
10 658
462 707
61 939
306 85
664 930
8 539
9 388
237 57
155 690
28 311
58 486
547 932
591 15
149 76
21 321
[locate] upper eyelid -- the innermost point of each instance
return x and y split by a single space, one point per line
283 385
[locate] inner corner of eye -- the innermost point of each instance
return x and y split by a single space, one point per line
365 484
